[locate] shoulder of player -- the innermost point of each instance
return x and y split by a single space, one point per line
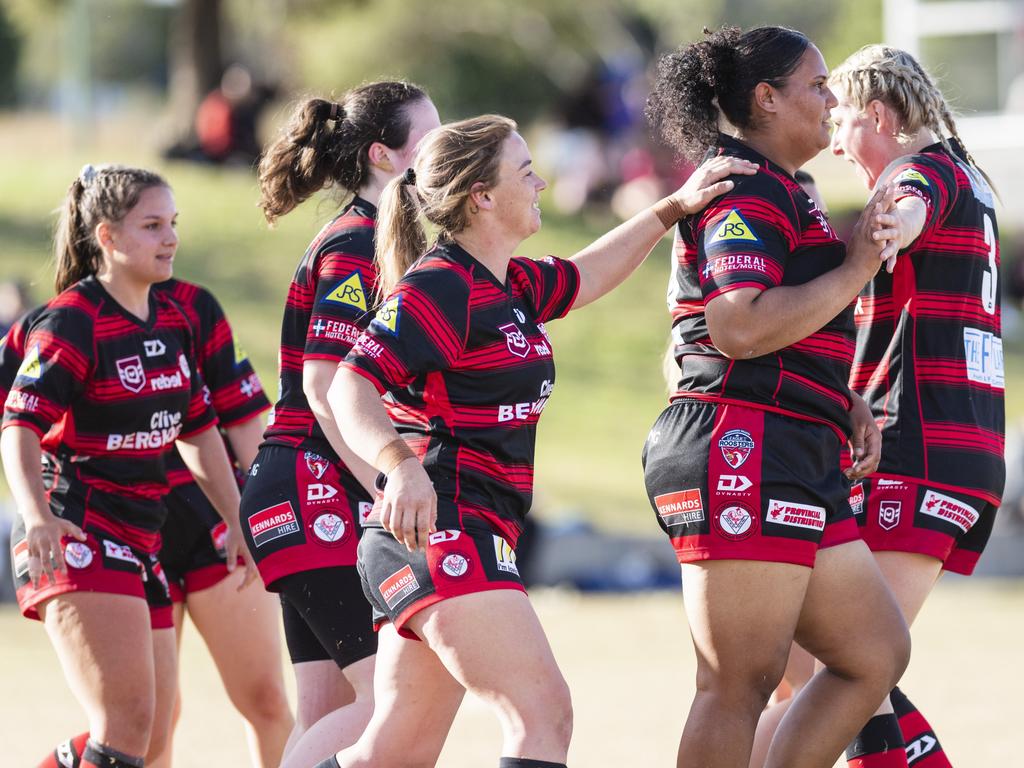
765 195
74 309
922 167
439 272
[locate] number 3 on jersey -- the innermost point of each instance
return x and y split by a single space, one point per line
988 282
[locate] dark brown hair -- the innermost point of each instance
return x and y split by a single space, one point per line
328 142
98 193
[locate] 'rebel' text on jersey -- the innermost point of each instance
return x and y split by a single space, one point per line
467 366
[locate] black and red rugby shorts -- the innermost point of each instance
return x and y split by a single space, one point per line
115 559
300 511
729 482
399 583
193 551
903 514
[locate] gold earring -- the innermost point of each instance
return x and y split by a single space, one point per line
474 209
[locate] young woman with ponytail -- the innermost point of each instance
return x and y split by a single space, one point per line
928 359
460 347
307 493
107 386
743 467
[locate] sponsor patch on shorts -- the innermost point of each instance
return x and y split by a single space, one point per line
954 511
273 523
889 514
796 515
680 507
505 556
857 499
330 529
398 586
454 565
78 555
735 521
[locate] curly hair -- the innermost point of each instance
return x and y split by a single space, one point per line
716 76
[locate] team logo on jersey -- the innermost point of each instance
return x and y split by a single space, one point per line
329 528
734 227
240 354
219 537
388 315
857 499
505 556
154 347
910 175
454 565
78 554
132 373
796 515
889 514
398 586
349 292
735 521
736 445
515 339
273 523
680 507
954 511
316 464
31 367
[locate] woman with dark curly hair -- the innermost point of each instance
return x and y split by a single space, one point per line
743 466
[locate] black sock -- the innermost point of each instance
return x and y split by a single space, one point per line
98 755
330 762
525 762
878 745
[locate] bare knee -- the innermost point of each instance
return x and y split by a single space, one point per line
126 724
878 659
262 702
548 711
745 686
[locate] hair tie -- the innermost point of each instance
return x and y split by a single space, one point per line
409 177
335 111
87 174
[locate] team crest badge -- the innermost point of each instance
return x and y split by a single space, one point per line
329 528
349 292
78 555
736 445
132 373
316 464
455 565
889 514
515 339
734 227
734 521
31 367
388 315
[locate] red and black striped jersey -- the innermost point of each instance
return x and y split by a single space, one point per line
763 233
929 356
332 289
235 390
469 369
108 395
12 349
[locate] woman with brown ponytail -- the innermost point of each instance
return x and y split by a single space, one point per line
929 356
107 386
743 467
460 346
307 493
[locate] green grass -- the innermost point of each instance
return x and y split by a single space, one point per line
609 388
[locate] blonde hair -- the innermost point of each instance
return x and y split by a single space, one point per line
450 160
895 78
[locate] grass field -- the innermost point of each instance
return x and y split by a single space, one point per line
630 666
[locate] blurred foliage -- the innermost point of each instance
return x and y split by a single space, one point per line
10 50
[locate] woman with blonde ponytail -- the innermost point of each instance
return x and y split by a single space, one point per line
460 346
929 355
307 492
106 388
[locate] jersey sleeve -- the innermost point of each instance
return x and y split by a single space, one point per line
55 364
200 414
551 283
341 280
236 392
421 327
917 176
744 241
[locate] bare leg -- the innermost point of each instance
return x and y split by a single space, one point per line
799 670
742 616
105 646
164 758
416 701
320 688
850 622
240 630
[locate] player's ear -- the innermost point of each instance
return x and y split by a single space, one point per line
104 234
380 157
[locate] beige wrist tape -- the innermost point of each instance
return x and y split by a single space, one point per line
393 454
669 211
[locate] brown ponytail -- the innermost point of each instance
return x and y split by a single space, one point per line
100 193
327 143
450 160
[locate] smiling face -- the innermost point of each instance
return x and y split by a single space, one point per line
860 138
517 194
803 106
140 248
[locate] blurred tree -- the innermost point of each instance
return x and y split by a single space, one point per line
196 63
10 50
